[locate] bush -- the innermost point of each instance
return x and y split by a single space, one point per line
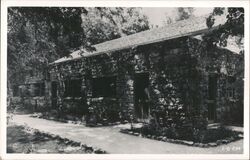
212 135
103 113
218 135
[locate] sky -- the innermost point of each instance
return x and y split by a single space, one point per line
157 15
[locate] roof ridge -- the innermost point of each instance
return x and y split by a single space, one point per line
155 29
187 27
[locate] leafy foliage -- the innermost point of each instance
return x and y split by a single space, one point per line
184 13
40 35
210 137
103 24
234 26
181 13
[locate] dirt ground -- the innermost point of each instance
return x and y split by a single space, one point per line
23 140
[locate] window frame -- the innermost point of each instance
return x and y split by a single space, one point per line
72 89
231 90
40 87
16 91
99 89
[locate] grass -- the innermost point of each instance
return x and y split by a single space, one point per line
23 140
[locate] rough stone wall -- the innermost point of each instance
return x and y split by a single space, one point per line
118 64
101 66
178 74
27 99
168 69
225 65
69 71
173 82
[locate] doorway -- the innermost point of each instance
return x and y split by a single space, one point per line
142 108
212 94
54 94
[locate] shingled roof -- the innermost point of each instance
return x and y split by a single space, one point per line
189 27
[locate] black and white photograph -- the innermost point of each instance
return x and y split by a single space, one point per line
132 80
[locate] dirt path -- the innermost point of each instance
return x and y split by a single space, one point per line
112 141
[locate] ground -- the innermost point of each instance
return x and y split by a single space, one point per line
24 140
113 141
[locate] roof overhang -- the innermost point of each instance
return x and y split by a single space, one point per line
190 27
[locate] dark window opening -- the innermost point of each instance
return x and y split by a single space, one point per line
30 90
212 94
231 79
73 88
39 89
31 73
230 86
142 95
104 87
212 87
54 89
231 93
54 94
25 90
15 90
47 73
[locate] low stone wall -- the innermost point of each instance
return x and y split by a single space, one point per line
74 106
31 104
105 109
16 102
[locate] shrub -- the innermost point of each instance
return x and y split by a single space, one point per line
103 113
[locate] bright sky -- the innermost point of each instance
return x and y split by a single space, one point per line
157 15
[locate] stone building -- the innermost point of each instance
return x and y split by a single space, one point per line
29 92
166 69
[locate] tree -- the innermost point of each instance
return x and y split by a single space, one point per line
181 13
40 35
233 29
167 20
109 23
184 13
28 46
234 26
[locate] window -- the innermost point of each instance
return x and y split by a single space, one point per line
24 90
212 86
54 89
231 79
39 89
72 88
231 93
15 90
104 87
230 86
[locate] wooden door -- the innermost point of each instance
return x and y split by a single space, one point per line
54 94
141 95
212 94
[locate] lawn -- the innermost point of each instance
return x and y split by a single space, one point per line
24 140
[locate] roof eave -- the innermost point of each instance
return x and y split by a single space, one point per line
141 44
